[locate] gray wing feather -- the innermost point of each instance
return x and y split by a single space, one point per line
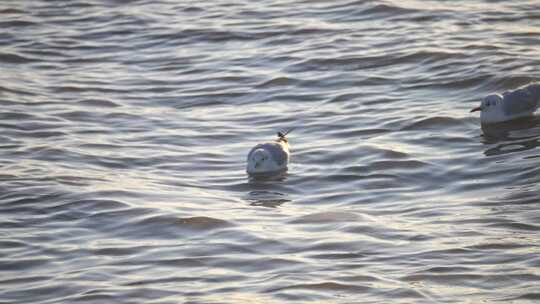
534 90
275 149
520 101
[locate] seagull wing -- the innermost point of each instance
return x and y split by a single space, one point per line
519 101
534 90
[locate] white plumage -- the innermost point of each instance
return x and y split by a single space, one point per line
510 105
270 157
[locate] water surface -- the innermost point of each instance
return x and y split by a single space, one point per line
124 128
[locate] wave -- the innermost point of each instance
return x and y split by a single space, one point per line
15 58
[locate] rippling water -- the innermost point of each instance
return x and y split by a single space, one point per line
124 128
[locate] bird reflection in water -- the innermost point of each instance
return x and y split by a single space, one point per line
513 136
264 193
268 199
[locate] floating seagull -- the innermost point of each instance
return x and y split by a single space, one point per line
510 105
270 157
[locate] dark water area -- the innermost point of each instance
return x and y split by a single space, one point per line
124 128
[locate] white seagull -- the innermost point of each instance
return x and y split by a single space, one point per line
510 105
270 157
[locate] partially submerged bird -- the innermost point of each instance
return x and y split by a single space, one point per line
510 105
270 157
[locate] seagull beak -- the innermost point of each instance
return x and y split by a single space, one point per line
476 109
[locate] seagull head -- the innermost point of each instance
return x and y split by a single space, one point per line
282 136
491 109
259 162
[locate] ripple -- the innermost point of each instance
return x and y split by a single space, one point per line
325 286
325 217
516 226
16 23
433 123
9 11
14 58
97 103
197 223
23 280
161 281
22 264
526 296
278 82
4 89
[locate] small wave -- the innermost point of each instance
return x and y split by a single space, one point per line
339 256
345 97
12 244
86 89
11 11
464 82
497 246
198 223
97 296
4 89
15 116
360 134
385 165
202 35
355 63
324 286
23 264
193 9
448 269
387 9
366 10
23 280
30 126
114 251
278 82
90 205
516 226
506 83
15 58
24 199
433 123
447 278
326 217
43 134
98 103
528 296
178 262
16 23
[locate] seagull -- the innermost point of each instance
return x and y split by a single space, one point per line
510 105
270 157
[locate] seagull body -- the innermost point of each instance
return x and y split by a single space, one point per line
270 157
510 105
